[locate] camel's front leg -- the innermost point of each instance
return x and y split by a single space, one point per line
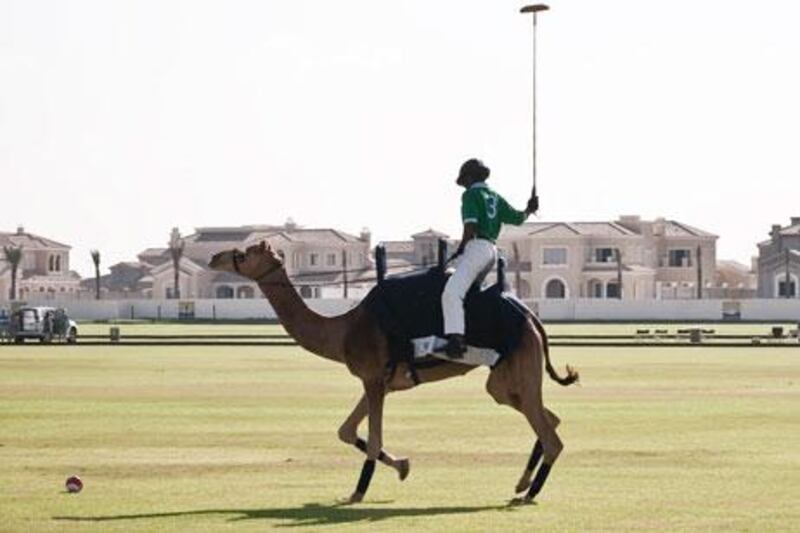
348 433
375 393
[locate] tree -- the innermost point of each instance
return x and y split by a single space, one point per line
14 257
176 245
96 261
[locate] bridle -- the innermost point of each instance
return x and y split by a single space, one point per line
260 277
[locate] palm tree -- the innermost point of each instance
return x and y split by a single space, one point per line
96 261
14 258
176 252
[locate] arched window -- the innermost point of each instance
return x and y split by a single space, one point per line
245 292
224 291
555 289
58 263
781 287
51 263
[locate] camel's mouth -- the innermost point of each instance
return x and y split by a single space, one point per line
223 261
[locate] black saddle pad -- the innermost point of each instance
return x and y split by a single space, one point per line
410 306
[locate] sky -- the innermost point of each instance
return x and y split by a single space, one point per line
120 120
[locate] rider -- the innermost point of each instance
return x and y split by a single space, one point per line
483 213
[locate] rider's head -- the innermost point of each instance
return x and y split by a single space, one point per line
472 171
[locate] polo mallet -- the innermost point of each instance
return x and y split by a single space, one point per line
534 9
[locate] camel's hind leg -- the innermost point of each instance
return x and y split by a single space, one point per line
524 482
348 433
518 383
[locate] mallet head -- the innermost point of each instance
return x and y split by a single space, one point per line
534 8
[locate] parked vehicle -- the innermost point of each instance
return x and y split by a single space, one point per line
43 323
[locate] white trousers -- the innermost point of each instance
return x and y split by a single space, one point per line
477 260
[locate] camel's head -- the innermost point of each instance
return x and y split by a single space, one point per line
254 263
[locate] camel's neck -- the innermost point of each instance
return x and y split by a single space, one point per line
320 335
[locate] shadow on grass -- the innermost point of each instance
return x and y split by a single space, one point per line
310 514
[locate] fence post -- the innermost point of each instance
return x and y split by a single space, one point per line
442 253
380 262
344 272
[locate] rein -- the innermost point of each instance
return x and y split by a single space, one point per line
260 278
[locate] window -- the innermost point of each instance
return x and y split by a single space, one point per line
58 263
313 259
604 255
245 292
224 291
51 264
296 260
554 256
680 258
612 290
331 260
307 291
782 289
555 288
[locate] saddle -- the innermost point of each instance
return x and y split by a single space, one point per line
409 306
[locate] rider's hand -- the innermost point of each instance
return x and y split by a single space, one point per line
533 205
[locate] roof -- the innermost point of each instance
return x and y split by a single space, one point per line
239 234
323 235
430 232
129 264
673 228
226 236
29 241
728 264
153 252
398 246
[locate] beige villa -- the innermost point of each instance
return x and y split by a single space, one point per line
44 270
659 259
317 259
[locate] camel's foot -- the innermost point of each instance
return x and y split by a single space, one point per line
403 466
356 497
523 484
522 500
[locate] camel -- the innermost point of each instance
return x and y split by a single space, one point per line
355 339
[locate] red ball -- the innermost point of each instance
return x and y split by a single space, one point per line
74 484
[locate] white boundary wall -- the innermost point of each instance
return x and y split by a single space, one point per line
579 310
223 309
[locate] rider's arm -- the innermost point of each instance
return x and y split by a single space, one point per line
509 215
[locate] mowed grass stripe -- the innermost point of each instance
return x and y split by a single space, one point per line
205 438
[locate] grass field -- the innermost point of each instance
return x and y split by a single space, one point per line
210 438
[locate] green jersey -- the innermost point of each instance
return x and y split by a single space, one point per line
488 210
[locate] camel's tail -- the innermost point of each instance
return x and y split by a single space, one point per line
572 374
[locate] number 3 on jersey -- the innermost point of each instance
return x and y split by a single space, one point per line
491 206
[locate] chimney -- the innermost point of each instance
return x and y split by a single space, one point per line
631 222
795 221
775 232
658 226
20 230
365 236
